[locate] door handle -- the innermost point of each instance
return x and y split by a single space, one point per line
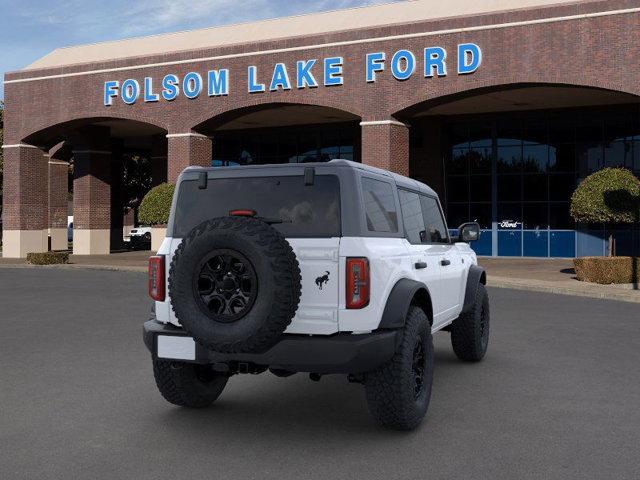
420 265
445 262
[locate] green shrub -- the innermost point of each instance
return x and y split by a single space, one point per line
48 258
611 195
607 270
156 204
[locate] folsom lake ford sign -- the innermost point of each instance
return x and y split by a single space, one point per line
309 73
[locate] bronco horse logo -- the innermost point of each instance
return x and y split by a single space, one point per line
322 280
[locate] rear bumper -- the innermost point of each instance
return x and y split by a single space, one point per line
339 353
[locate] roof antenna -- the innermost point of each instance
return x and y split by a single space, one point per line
309 176
202 180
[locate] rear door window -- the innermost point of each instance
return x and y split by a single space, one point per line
304 210
412 217
379 205
436 230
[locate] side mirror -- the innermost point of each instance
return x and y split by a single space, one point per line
469 232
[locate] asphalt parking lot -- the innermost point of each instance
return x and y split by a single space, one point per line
558 396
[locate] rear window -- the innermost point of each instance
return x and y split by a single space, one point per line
379 206
305 210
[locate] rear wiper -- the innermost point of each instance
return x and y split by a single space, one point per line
271 221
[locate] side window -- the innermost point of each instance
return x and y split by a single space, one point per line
379 206
412 216
433 220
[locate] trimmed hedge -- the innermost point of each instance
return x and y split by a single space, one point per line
156 205
48 258
611 195
607 270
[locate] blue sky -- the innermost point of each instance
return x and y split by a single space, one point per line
30 29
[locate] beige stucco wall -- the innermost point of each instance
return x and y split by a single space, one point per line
17 243
157 236
58 238
91 242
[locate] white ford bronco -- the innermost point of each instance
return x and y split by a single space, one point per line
322 268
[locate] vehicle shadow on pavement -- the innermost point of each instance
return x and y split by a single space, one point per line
262 405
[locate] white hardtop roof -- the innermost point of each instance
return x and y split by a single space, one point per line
400 180
273 29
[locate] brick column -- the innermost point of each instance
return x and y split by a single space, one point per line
117 208
91 202
385 144
25 211
91 191
58 191
187 149
158 160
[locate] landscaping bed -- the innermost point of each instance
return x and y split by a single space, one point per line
608 270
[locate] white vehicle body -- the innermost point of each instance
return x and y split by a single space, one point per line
443 268
378 274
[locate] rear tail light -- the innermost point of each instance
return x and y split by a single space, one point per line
358 282
156 278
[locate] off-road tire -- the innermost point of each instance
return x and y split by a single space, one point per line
470 331
187 384
390 389
277 276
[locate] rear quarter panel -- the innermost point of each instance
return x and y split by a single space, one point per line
389 261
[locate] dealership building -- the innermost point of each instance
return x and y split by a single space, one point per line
501 106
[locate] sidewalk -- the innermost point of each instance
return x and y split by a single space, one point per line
551 276
135 261
539 275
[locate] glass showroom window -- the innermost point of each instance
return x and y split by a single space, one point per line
518 170
287 145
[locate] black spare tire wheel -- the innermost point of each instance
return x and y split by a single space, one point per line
234 284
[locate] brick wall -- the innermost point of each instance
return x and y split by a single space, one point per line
599 52
386 146
187 150
25 189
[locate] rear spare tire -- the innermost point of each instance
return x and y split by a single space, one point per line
234 284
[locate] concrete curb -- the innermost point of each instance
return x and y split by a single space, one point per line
74 266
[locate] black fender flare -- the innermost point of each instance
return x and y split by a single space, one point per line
476 276
399 301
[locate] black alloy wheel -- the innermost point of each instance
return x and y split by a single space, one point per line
225 285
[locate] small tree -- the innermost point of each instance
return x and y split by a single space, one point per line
156 205
611 195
